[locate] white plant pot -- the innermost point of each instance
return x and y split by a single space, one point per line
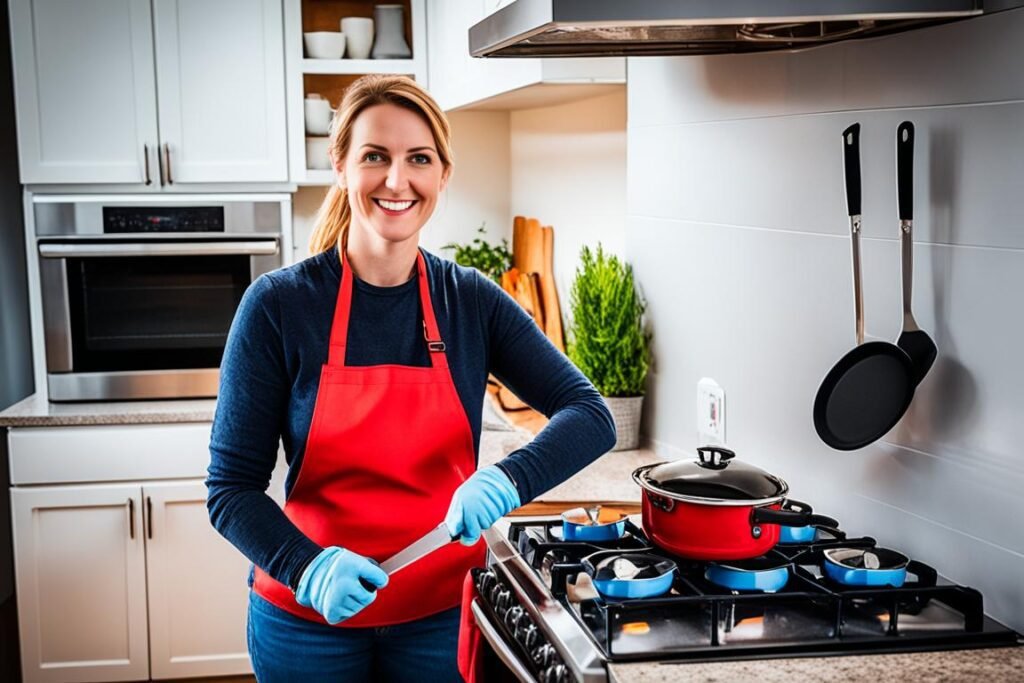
626 414
389 42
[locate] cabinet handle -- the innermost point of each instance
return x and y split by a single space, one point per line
167 156
149 517
131 518
145 153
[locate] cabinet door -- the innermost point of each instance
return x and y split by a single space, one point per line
198 593
81 571
86 94
220 69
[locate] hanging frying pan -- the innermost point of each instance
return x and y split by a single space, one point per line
869 389
913 340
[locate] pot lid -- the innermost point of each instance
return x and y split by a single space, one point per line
714 478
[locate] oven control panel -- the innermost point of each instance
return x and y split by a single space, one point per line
129 219
518 629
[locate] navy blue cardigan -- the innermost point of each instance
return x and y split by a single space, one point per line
271 370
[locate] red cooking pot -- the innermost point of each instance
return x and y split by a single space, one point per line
715 508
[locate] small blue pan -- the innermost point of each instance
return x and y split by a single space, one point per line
618 574
866 566
593 523
764 574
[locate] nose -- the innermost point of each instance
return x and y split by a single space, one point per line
396 179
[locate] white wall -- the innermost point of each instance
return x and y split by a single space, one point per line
738 234
478 191
569 171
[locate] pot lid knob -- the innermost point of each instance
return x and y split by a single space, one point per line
715 457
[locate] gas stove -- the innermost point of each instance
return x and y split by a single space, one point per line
539 611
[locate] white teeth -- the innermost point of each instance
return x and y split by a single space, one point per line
395 206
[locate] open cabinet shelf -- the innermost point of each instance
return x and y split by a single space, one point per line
331 77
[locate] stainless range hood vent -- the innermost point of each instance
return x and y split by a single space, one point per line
616 28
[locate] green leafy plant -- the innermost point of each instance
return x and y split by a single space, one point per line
607 341
490 260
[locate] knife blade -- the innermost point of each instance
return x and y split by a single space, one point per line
437 537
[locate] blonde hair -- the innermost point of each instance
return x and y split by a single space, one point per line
334 216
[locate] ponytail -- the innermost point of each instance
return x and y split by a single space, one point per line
332 220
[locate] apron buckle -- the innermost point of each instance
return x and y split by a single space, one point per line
434 346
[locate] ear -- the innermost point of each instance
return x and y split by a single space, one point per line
444 179
339 169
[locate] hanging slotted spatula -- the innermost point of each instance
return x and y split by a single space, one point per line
915 341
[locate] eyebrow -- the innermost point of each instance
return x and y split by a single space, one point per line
411 149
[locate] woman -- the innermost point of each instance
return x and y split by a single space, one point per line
369 360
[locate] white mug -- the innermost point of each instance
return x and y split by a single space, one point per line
358 36
318 115
317 154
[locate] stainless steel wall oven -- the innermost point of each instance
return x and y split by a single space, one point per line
138 296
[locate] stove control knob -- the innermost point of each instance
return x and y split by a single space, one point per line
485 581
528 636
512 617
544 656
556 673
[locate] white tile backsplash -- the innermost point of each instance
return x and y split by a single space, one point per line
736 228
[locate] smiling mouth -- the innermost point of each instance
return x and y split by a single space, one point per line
394 208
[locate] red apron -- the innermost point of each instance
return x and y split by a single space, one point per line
387 447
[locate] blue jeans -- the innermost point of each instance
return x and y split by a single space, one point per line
285 648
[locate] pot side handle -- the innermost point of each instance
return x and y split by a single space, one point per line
790 518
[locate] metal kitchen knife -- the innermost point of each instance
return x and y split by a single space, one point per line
437 537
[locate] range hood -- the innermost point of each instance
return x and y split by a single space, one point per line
610 28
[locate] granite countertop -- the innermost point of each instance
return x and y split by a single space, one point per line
992 664
36 411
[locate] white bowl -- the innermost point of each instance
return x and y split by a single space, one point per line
324 44
317 153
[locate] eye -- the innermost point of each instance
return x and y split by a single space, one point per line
373 156
421 159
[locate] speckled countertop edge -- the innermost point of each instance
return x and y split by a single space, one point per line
36 411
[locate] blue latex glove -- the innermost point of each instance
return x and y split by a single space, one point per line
331 585
479 502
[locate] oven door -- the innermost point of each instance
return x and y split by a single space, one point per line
143 318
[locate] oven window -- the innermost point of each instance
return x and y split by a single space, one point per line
153 312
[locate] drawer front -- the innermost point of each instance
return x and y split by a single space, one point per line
55 455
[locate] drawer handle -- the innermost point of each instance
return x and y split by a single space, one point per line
131 518
167 156
145 153
149 517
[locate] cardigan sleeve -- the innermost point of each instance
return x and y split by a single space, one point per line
247 426
580 427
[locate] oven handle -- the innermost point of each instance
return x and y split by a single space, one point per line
500 647
93 250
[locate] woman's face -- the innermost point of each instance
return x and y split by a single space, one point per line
392 172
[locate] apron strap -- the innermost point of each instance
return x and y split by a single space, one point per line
339 326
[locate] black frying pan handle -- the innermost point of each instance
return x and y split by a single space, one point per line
790 518
851 165
905 169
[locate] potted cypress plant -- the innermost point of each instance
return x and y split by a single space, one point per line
607 340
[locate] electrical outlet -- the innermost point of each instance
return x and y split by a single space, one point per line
710 412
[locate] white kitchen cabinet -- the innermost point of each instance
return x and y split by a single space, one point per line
196 584
81 573
220 71
119 573
87 78
85 91
459 81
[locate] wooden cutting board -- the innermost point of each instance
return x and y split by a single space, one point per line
548 290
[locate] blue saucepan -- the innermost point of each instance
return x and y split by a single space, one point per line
765 574
866 566
618 574
593 523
